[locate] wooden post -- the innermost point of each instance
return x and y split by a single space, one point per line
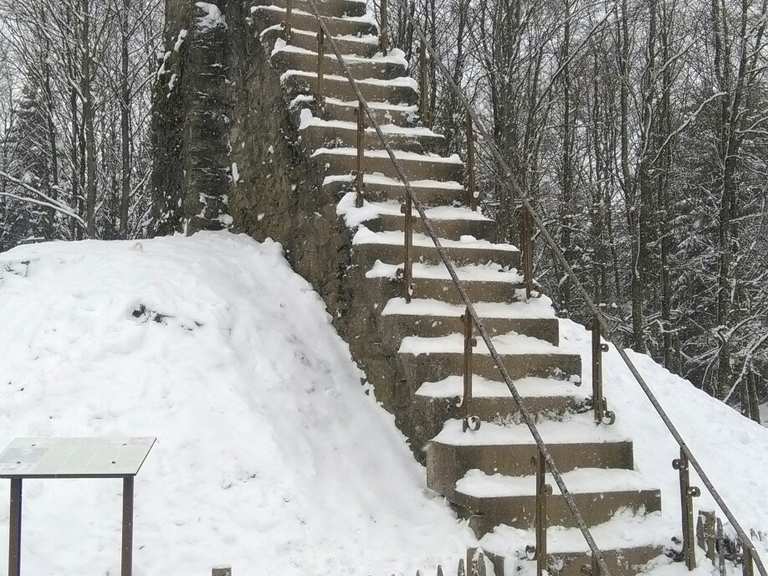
360 155
221 571
126 564
384 32
471 194
320 62
287 23
14 529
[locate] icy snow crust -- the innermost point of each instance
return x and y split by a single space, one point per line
270 456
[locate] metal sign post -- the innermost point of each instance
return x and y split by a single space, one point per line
51 458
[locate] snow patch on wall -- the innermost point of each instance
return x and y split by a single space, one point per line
211 18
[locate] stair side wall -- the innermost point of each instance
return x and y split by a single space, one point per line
275 191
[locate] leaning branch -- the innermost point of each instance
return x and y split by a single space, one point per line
45 200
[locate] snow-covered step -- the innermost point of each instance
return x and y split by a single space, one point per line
306 20
493 499
380 188
628 542
395 90
338 8
362 46
416 166
427 317
289 57
575 442
387 246
529 388
482 282
384 112
425 359
317 132
450 222
434 403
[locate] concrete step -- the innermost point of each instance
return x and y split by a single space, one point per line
621 562
394 90
383 189
416 166
318 133
293 58
432 318
573 443
430 359
490 500
451 222
434 403
338 8
368 247
465 223
384 112
362 46
628 542
626 561
486 282
301 20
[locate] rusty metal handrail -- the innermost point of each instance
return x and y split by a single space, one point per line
470 309
510 181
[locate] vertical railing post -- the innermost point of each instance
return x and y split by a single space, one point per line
320 62
360 155
287 23
526 249
687 494
747 568
543 490
407 210
384 32
599 405
423 88
469 422
471 194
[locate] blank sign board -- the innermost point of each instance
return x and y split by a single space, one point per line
74 457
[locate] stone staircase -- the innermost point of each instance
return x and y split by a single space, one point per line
487 474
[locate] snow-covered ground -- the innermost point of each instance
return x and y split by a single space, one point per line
733 450
270 457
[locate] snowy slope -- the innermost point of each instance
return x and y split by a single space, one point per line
270 457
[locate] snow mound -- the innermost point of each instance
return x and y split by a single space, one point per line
270 456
